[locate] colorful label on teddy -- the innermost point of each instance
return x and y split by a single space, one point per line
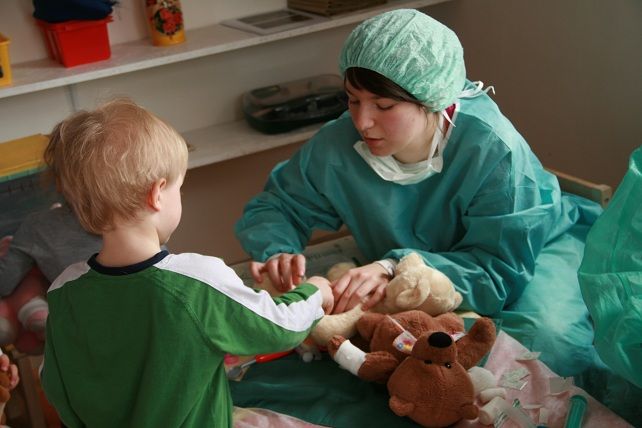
404 342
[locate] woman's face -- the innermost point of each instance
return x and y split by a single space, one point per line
390 127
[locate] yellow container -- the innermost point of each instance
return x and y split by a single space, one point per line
165 19
22 156
5 65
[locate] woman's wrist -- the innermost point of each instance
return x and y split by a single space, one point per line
389 265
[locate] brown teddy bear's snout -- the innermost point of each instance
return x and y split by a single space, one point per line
440 339
436 348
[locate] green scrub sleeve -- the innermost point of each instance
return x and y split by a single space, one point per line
282 217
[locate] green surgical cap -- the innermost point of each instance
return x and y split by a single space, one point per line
418 53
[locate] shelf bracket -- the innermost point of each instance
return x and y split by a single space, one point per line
73 97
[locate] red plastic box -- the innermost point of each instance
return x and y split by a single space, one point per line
77 42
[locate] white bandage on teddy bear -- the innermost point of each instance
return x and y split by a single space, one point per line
350 357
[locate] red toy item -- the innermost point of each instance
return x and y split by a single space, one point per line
77 42
261 358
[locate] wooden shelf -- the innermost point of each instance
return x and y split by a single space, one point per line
45 74
215 143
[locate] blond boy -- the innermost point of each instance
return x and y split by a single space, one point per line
136 336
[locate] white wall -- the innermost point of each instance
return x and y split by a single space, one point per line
567 73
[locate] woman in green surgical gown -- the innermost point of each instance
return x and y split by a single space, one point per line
424 161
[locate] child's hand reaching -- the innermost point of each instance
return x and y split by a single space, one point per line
326 291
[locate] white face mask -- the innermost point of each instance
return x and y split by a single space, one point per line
388 168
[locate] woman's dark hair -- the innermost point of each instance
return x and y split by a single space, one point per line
371 81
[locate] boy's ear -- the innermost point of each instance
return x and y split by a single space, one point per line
154 195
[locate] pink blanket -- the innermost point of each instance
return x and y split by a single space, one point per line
502 359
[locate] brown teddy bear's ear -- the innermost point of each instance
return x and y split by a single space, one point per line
477 342
367 324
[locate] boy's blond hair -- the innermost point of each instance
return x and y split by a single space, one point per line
105 161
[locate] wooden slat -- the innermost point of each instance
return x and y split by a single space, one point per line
600 193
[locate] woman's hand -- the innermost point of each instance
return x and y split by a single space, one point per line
285 271
365 284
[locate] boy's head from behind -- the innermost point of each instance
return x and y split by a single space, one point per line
107 161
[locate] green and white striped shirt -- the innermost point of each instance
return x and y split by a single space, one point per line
143 345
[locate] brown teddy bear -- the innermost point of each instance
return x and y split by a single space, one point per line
380 332
431 386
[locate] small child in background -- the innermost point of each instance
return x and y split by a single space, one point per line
43 246
137 336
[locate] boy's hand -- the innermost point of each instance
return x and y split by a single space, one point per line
326 291
285 271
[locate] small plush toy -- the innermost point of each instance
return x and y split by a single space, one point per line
414 286
431 386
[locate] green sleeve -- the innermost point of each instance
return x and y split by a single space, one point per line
237 319
282 217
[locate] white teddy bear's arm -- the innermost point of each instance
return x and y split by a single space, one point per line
344 324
